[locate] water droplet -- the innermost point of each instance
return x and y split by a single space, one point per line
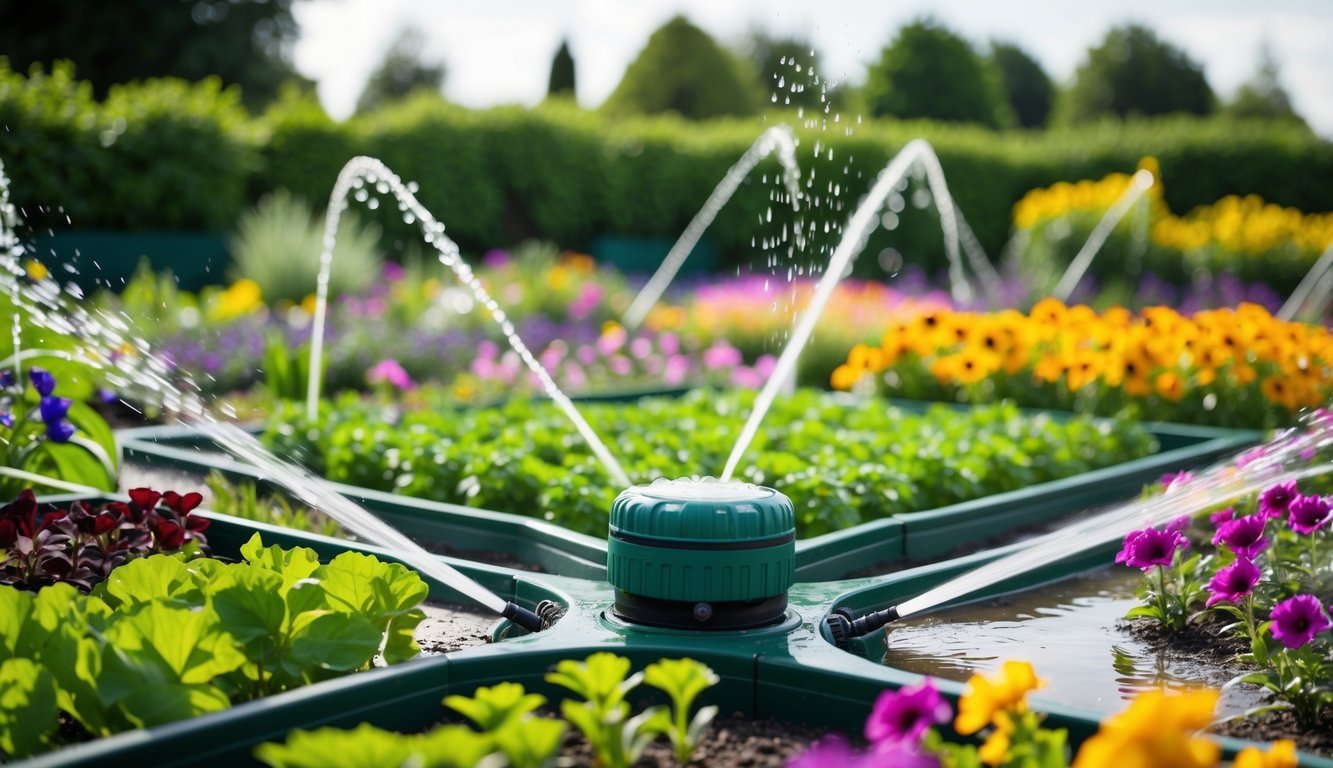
373 203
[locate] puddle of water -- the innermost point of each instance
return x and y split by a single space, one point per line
1068 631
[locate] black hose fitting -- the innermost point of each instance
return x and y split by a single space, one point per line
523 617
842 626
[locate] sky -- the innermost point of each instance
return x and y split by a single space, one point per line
499 51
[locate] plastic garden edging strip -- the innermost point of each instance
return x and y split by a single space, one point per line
786 671
915 536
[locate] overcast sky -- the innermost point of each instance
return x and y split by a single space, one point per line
499 51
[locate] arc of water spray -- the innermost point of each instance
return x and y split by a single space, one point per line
1141 182
1317 283
779 138
853 241
952 225
362 170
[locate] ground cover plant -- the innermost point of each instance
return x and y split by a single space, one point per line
1236 367
841 463
129 624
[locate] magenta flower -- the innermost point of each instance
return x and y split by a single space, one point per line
1306 514
1178 525
391 373
1251 456
830 752
1244 536
495 258
1222 515
1297 620
1233 582
1173 479
1150 547
1274 501
721 355
905 715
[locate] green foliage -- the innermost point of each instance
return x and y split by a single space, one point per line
930 72
369 747
489 708
162 640
278 244
683 70
603 716
401 73
244 43
562 82
683 680
841 464
242 499
1263 96
1133 72
787 67
1026 85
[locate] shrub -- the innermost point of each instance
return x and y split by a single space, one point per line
1132 72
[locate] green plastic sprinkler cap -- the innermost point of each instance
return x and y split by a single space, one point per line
698 553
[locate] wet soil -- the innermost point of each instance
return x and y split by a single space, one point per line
449 628
732 740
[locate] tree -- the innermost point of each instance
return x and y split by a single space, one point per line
788 67
1263 96
244 42
681 69
562 73
929 72
1026 85
402 72
1132 72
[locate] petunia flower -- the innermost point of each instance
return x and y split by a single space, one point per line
1297 620
1232 583
1149 547
1175 479
1244 536
1222 515
1306 514
1274 501
830 752
905 715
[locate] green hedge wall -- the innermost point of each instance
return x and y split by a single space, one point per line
165 155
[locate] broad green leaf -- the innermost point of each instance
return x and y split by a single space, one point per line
167 703
75 660
359 583
69 461
249 603
304 596
294 564
335 641
17 623
400 642
530 742
93 427
490 707
27 707
158 578
363 747
192 644
456 746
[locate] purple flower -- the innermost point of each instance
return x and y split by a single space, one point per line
905 715
392 271
60 431
1178 525
1173 479
495 258
829 752
1222 515
6 379
1306 513
7 420
1274 501
1150 547
1251 456
1232 583
42 381
54 408
1297 620
1244 536
389 372
106 396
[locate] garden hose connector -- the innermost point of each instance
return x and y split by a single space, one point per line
699 553
526 619
842 626
549 611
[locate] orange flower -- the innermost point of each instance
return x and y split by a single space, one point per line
1170 386
845 377
1282 754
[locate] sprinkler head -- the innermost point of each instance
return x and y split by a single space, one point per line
526 619
842 626
698 553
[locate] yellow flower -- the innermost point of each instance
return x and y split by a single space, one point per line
37 271
240 298
987 697
1156 731
845 377
1170 386
996 747
1281 755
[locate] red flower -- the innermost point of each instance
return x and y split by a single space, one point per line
170 535
179 504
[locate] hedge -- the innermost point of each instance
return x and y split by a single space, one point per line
165 155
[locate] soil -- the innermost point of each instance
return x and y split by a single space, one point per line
732 740
1205 643
453 627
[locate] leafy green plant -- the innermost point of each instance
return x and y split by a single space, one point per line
603 717
841 462
366 746
490 708
242 499
43 434
278 245
162 639
503 712
683 680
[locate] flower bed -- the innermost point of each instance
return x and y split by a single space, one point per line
1238 367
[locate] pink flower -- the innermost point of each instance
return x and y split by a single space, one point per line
392 271
1222 515
1232 583
1244 536
1174 479
1274 501
905 715
1297 620
391 373
487 349
677 368
1306 514
611 340
495 258
668 343
590 295
586 355
620 365
640 348
721 355
1251 456
1149 547
747 378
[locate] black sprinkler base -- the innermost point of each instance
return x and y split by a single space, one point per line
674 614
